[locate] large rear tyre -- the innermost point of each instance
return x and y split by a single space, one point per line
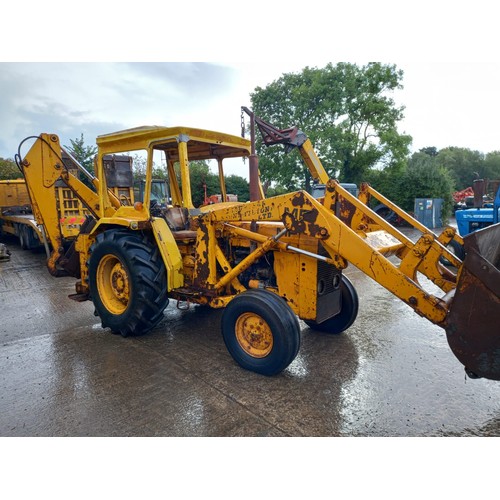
127 281
348 312
261 332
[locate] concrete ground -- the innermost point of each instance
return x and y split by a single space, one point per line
61 374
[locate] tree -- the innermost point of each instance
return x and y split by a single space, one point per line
84 154
423 177
464 165
492 165
238 185
345 110
9 169
431 151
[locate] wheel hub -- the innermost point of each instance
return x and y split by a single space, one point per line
113 284
119 282
254 335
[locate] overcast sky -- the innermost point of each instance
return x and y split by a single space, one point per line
447 104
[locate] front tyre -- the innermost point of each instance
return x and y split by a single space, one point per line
261 332
127 281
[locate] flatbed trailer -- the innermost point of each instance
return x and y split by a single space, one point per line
18 220
25 228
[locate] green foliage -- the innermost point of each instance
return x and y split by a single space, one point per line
431 151
239 186
200 175
275 191
9 169
464 165
424 177
139 163
345 110
84 154
491 166
139 167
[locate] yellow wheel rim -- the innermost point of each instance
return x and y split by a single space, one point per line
113 284
254 335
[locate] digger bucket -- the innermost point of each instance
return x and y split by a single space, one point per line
473 322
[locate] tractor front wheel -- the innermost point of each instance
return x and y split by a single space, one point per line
127 281
261 332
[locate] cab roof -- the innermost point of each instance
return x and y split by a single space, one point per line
202 144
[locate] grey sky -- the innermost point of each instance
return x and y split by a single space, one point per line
97 98
447 104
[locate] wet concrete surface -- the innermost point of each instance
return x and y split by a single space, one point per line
61 374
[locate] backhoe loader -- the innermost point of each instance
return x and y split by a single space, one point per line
267 261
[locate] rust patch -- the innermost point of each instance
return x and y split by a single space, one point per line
299 199
345 211
201 272
303 221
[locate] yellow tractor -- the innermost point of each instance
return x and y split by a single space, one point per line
267 261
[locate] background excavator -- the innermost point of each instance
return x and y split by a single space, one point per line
267 261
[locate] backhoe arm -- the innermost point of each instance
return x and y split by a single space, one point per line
42 167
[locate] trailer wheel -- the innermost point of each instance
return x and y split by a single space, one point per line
23 238
127 281
261 332
348 312
27 238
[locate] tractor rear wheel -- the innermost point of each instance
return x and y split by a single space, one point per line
348 312
127 281
456 249
261 332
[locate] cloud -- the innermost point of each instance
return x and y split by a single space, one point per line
96 98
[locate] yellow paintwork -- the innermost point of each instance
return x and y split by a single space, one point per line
113 284
199 267
299 288
312 162
169 252
82 246
185 182
175 190
143 137
13 193
254 335
339 239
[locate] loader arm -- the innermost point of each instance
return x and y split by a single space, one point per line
301 214
350 230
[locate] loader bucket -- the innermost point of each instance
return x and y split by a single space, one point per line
473 322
